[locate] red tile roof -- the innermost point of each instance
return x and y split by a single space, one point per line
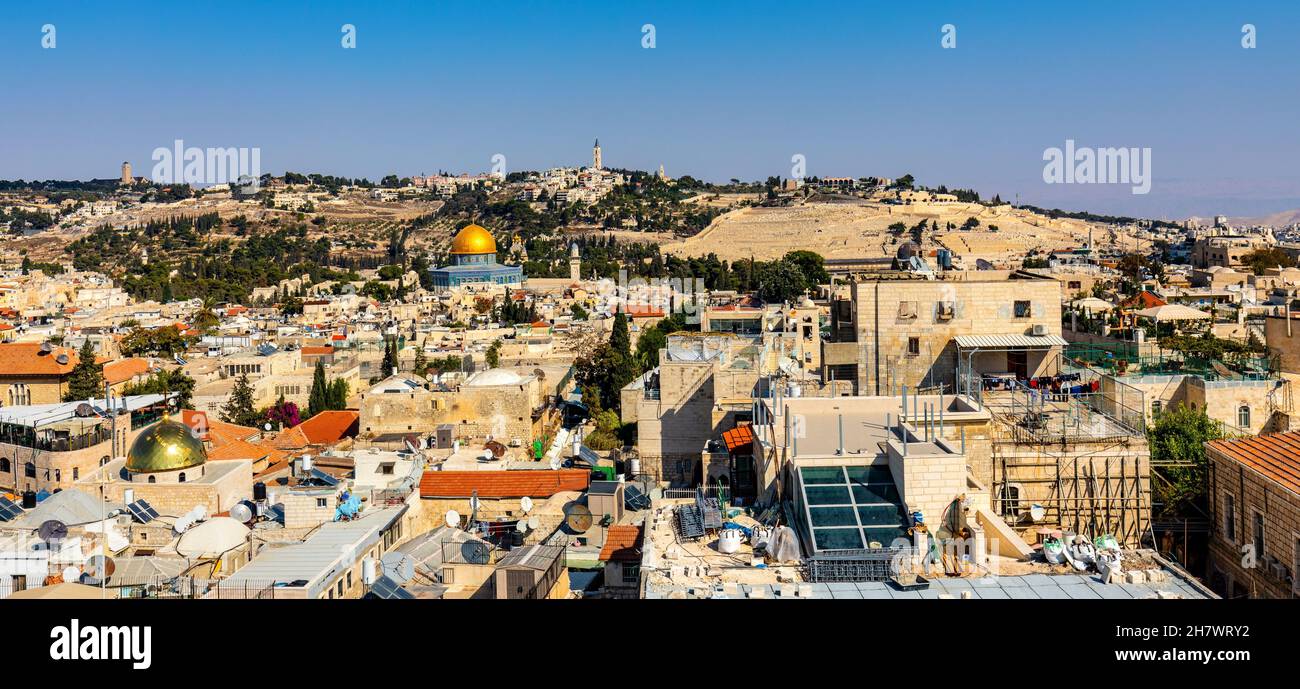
622 543
25 358
311 350
1276 456
1143 300
325 428
738 437
125 369
542 483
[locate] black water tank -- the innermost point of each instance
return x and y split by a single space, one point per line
259 491
29 499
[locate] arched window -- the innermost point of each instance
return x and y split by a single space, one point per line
4 465
181 477
153 479
1243 416
29 470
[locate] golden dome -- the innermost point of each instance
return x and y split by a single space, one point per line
473 239
167 446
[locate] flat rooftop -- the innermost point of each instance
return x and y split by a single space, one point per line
865 421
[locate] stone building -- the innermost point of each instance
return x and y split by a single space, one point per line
887 334
1254 490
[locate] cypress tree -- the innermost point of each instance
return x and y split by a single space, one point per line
87 378
318 401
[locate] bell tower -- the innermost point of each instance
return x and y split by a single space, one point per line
595 155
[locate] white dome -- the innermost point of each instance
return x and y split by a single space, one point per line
212 537
496 376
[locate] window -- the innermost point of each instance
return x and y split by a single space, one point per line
631 573
4 465
180 478
19 583
1022 309
1011 500
153 479
907 309
1259 539
913 346
1243 416
76 473
1229 519
1156 407
1075 285
320 502
1295 567
945 310
349 579
340 587
29 470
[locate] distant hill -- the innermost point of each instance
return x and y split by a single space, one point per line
1280 219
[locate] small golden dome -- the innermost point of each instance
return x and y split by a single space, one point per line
167 446
473 239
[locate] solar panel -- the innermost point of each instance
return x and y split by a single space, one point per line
9 510
589 455
142 511
276 512
710 511
388 589
689 522
634 499
323 477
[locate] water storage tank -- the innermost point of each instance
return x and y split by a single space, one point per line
29 499
634 466
259 491
729 541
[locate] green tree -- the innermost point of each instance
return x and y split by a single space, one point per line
620 340
493 355
318 399
239 409
338 394
87 378
780 281
389 364
812 265
421 361
579 313
174 381
1178 436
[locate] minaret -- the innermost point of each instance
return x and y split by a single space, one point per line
575 259
126 174
595 155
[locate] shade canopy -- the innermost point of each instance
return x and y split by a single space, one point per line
1092 304
1173 312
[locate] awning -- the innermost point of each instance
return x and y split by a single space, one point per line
1009 341
738 437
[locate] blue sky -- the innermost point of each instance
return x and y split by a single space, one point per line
731 89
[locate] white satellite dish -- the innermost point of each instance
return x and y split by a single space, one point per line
183 522
526 504
533 522
399 567
453 519
241 513
521 526
71 574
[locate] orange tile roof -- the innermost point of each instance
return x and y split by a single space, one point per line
122 370
1143 300
218 432
542 483
311 350
738 437
622 543
1276 456
325 428
25 358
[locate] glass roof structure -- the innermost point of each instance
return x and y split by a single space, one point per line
851 507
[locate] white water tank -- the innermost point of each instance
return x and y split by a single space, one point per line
368 571
729 541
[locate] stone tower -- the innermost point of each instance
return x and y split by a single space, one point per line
595 155
575 259
126 174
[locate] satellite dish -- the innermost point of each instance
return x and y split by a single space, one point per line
99 568
52 530
199 513
577 517
71 574
183 522
521 526
533 522
526 504
241 512
46 348
453 519
399 567
62 359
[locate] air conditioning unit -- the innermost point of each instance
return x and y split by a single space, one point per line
1278 569
1040 330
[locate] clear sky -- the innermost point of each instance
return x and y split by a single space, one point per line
731 89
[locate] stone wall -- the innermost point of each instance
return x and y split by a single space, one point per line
1249 493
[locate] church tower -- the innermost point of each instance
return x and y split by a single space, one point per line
595 155
575 259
